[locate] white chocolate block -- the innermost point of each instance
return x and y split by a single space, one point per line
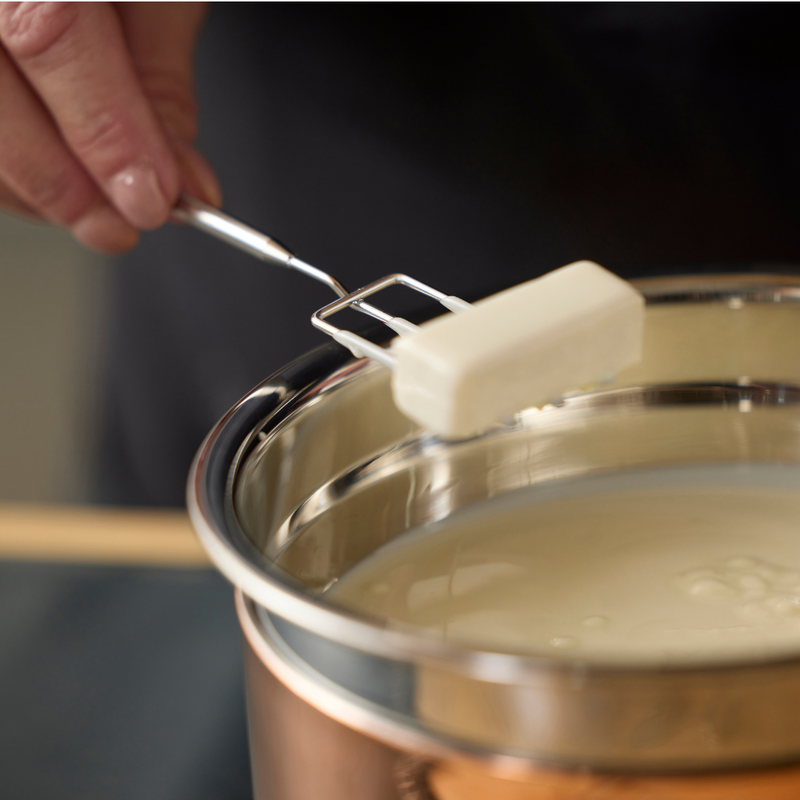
523 347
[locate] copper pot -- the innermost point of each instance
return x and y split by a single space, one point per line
315 469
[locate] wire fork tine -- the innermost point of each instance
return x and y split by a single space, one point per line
358 345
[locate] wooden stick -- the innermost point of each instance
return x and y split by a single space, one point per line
98 535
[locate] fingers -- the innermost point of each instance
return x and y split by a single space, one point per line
199 179
75 57
161 38
40 175
97 115
10 201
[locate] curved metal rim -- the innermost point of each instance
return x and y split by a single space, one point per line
355 713
395 730
236 560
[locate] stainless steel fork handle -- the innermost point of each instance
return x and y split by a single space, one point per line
211 220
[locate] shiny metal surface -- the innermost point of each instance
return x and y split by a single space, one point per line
300 753
211 220
309 742
361 347
316 469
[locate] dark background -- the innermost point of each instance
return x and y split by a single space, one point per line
471 146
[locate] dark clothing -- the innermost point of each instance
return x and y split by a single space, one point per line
470 146
119 684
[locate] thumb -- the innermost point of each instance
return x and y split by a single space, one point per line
161 39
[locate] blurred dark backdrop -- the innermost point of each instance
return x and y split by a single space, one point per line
472 146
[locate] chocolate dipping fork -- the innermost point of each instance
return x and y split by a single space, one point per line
460 373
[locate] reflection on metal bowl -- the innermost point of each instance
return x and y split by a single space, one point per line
315 469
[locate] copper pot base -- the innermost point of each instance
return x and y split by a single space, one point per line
301 753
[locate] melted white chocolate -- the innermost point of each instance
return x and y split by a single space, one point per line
674 565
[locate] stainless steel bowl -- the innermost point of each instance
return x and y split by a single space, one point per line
315 469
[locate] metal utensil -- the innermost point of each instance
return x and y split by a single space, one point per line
211 220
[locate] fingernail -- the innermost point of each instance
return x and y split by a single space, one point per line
198 177
136 193
103 229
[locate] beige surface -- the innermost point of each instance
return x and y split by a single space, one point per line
52 309
94 535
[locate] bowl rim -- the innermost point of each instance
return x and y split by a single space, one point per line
214 470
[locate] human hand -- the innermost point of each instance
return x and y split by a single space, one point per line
98 117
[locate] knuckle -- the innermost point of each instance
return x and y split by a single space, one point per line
11 201
29 30
104 133
56 194
173 99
